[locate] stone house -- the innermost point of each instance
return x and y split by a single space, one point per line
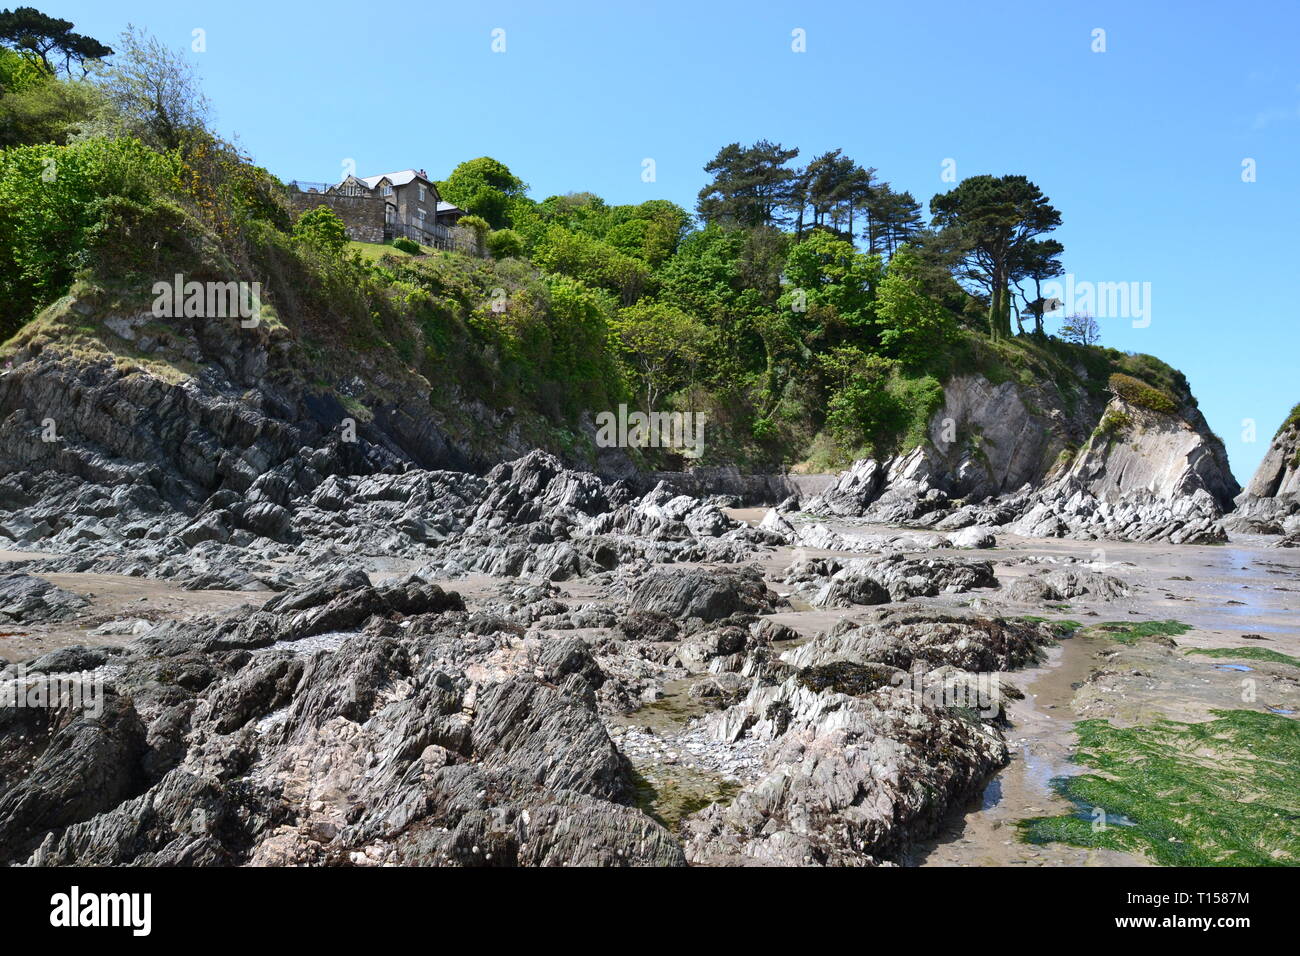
403 204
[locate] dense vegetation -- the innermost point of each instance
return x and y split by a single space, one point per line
809 312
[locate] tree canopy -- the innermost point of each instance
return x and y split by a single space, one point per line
50 39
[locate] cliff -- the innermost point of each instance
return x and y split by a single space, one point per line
1007 455
1271 502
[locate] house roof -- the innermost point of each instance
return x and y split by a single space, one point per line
396 179
444 206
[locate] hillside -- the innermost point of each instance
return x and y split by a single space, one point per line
787 343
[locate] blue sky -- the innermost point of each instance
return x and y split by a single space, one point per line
1141 146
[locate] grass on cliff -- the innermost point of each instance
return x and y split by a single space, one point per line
374 251
1248 653
1225 792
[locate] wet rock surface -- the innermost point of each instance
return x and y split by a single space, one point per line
530 666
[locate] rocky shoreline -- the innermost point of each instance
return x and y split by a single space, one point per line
625 680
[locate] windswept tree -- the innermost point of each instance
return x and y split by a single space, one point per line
752 186
997 218
1041 260
834 187
1080 328
50 40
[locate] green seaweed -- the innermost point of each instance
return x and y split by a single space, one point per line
1249 653
1225 792
1125 632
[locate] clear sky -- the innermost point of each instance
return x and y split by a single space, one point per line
1141 146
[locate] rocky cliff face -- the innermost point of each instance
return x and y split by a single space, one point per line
1001 457
223 424
188 406
1271 502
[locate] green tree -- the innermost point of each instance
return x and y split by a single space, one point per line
53 202
593 261
997 217
752 185
505 244
913 327
1040 260
893 218
50 39
835 187
484 187
37 107
154 94
665 346
825 270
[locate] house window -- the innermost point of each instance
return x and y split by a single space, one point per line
388 190
420 213
421 194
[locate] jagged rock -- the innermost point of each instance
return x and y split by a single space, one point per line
708 594
1270 503
78 657
441 743
973 537
86 766
905 636
1060 585
849 781
827 582
30 600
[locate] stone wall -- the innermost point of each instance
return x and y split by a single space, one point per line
362 215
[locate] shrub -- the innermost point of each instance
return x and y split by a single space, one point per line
321 227
407 245
51 200
505 244
1137 392
1113 424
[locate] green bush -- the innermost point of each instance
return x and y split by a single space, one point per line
1139 393
321 227
505 244
1114 424
51 200
406 245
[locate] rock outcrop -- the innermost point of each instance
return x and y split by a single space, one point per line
1270 504
1140 474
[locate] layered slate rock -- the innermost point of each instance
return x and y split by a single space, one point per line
709 594
1270 504
1157 476
419 734
25 599
829 582
850 780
